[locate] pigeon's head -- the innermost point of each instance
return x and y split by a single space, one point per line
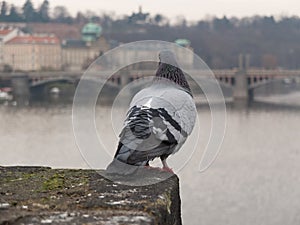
168 68
168 57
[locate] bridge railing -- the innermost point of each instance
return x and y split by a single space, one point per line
224 76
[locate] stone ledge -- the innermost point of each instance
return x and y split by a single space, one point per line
40 195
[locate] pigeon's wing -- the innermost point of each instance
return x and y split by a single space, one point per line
184 116
179 105
187 114
146 135
177 108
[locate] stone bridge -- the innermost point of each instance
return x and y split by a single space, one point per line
242 82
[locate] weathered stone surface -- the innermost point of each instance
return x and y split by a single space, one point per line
39 195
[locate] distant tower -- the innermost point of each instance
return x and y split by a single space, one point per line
91 32
183 42
138 17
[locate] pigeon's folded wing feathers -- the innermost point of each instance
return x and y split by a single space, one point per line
146 135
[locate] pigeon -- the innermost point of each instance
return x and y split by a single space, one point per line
159 120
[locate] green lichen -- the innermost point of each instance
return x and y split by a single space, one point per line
17 177
165 199
27 176
45 200
168 199
54 182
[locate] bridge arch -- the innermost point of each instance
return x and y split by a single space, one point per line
44 82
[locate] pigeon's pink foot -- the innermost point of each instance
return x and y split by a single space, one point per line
167 169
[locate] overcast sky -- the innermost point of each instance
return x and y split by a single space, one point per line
190 9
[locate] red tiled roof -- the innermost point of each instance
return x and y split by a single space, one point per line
34 40
5 32
62 31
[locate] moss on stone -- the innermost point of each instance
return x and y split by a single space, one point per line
55 182
35 193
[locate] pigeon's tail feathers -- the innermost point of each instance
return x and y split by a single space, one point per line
120 168
120 164
164 149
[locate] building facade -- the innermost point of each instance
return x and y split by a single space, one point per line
78 54
33 53
6 34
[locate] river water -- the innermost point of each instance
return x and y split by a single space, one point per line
254 180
